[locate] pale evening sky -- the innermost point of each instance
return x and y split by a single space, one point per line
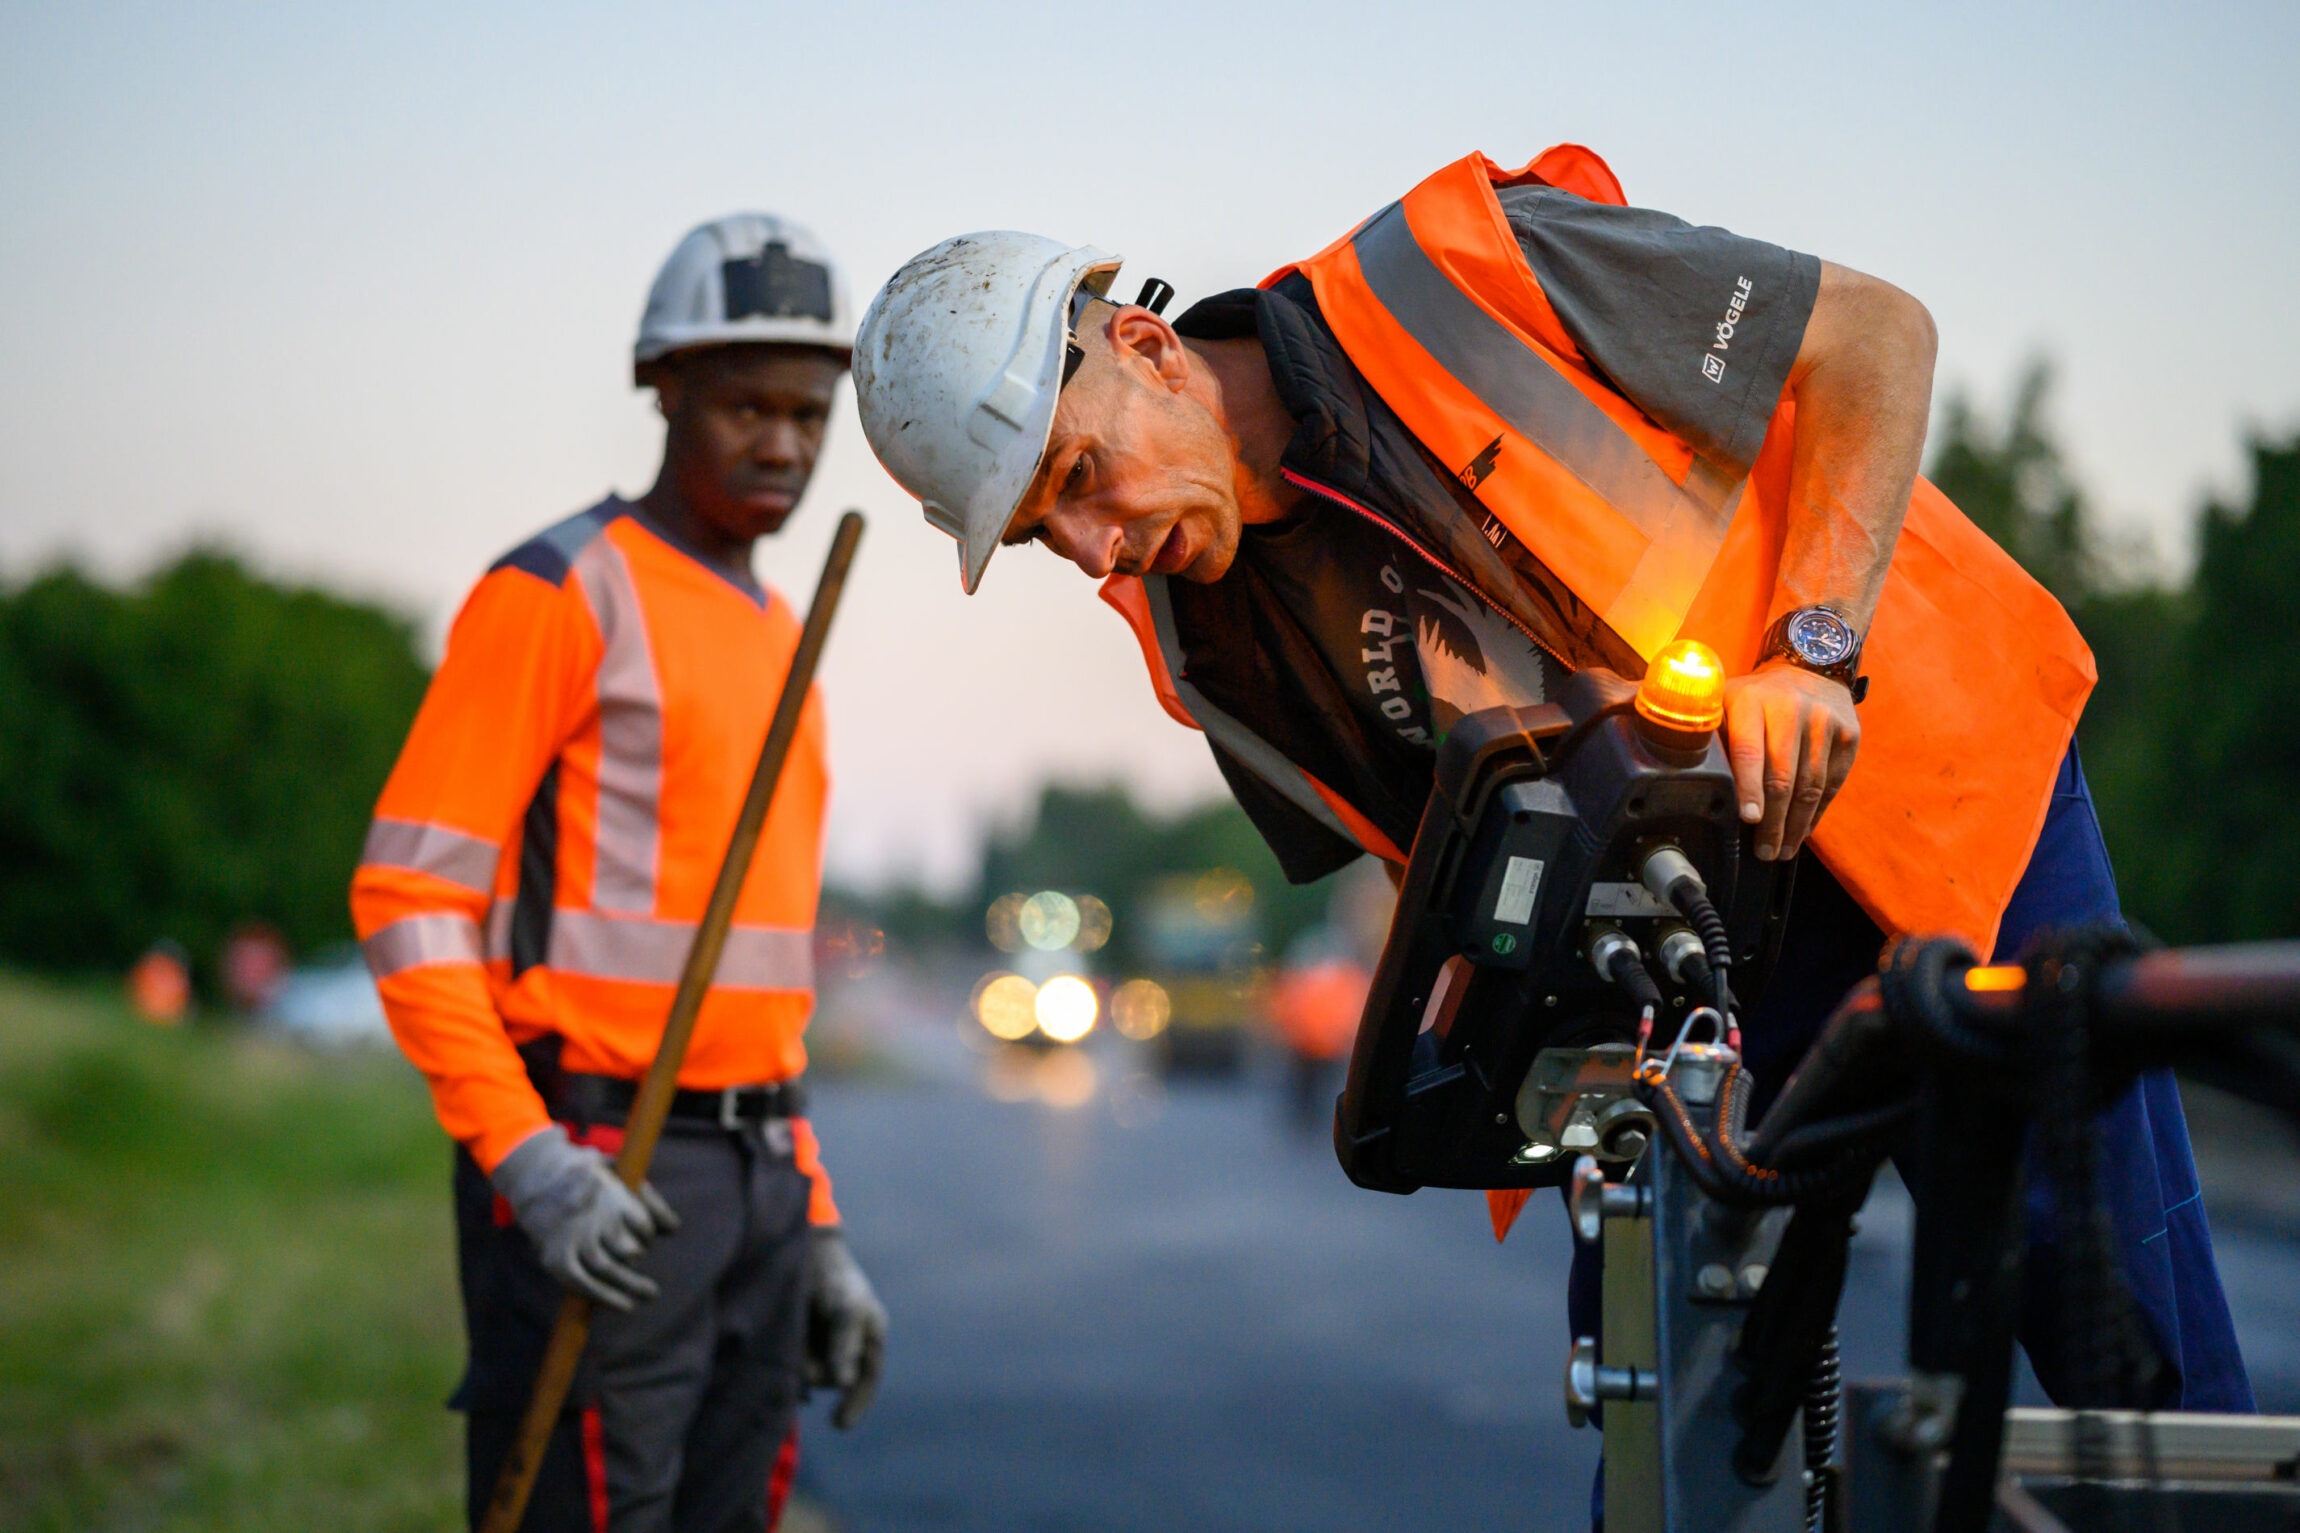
353 287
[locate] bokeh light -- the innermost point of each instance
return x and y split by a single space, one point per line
1002 923
1048 921
1093 923
1141 1008
1223 895
1007 1006
1065 1007
1066 1079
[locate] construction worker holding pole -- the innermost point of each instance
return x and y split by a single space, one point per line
533 891
1509 427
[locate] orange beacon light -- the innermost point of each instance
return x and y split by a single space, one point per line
1684 688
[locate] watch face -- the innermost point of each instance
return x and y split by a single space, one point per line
1820 637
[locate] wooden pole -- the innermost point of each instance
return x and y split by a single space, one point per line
644 1124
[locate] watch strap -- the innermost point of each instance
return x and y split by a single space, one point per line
1776 646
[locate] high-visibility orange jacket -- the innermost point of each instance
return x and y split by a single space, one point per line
1977 674
547 842
1315 1007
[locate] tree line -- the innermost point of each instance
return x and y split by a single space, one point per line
195 751
203 747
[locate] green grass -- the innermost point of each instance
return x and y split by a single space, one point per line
227 1293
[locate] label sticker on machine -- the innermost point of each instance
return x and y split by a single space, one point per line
1520 882
1624 900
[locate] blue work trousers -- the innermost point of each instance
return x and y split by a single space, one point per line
2148 1174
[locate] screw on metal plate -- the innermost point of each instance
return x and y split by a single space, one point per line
1715 1280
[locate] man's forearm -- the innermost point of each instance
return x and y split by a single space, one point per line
1863 385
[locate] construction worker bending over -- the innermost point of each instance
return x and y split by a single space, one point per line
1509 427
538 864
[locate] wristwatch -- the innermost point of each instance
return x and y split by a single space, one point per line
1820 640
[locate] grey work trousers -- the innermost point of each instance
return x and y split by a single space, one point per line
682 1409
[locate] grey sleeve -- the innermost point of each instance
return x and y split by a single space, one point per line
1697 327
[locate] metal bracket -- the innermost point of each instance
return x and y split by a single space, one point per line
1588 1381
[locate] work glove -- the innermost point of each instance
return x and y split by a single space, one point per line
587 1226
846 1326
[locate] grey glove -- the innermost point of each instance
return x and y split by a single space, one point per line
846 1326
587 1226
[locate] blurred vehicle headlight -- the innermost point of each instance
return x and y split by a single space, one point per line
1007 1006
1048 921
1002 923
1066 1008
1141 1008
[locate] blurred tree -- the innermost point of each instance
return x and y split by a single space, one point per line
2192 752
2227 734
2014 484
1097 840
197 751
2013 481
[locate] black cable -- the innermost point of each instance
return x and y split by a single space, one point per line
1712 1154
1783 1346
2113 1360
1625 968
1915 982
1693 903
1878 1125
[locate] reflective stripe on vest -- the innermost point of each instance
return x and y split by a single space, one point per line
626 849
437 851
642 950
1629 536
1683 525
415 942
1978 674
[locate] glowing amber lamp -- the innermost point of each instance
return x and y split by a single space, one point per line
1684 688
2003 976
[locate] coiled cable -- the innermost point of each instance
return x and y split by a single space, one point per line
1823 1396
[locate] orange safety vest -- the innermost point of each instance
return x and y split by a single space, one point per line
1315 1008
546 844
1977 674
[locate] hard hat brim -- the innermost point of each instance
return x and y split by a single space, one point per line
991 508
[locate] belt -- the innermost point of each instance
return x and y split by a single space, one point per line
588 1098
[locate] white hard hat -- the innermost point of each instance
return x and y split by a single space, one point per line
745 277
956 369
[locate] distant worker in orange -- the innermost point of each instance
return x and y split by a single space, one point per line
536 869
1314 1008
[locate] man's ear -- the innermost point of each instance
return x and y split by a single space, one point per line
1136 333
666 378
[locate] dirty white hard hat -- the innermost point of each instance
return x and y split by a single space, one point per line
956 370
745 277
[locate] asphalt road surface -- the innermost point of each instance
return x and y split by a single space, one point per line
1118 1306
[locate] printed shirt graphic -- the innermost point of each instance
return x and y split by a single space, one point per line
1413 650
